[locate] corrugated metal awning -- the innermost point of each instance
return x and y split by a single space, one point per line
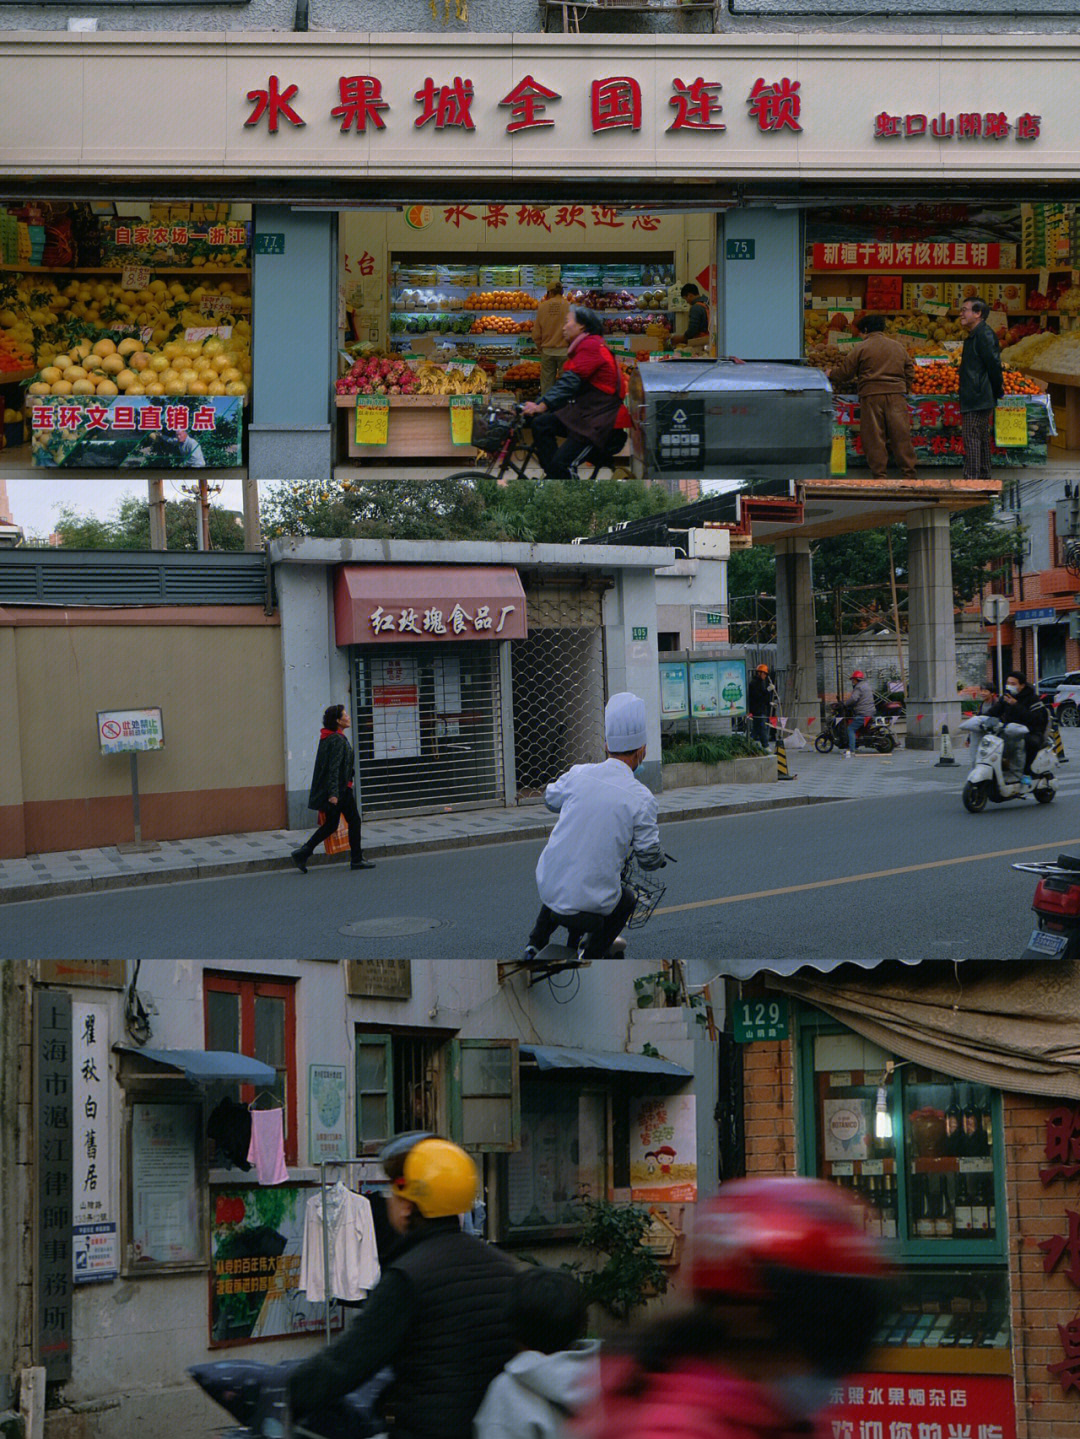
205 1066
549 1056
748 968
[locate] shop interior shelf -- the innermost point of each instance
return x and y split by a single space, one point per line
15 377
952 1164
953 314
118 270
487 310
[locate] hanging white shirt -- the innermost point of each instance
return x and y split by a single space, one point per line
350 1234
604 813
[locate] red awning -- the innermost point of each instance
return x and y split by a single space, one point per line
389 604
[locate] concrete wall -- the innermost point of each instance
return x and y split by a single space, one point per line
216 674
684 587
633 664
734 17
134 1338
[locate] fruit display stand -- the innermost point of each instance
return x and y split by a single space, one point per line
936 435
419 428
1064 391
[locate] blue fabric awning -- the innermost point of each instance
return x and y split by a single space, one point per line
549 1056
205 1066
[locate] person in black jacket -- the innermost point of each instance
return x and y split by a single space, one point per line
981 386
1019 704
332 790
439 1315
760 701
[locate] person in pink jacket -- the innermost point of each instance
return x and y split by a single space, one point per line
788 1290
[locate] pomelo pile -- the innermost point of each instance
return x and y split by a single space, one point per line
126 367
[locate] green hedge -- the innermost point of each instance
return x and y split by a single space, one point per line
709 749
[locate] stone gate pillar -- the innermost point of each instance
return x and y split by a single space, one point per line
795 635
931 694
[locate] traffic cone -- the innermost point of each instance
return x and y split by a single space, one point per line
781 758
1059 744
946 748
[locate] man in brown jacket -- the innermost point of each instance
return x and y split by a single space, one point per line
547 333
883 371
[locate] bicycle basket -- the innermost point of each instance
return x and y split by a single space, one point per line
491 428
648 892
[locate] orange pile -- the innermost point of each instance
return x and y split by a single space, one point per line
524 370
1018 384
940 378
500 300
14 355
501 325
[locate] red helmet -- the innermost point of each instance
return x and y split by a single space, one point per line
755 1226
798 1247
857 675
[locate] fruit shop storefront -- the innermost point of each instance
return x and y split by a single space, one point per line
404 190
947 1097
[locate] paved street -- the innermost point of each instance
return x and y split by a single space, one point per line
900 869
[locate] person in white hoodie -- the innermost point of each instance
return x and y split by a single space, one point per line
556 1371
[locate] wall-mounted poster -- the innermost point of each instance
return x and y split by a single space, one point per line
256 1245
663 1149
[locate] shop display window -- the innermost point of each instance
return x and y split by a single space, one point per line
923 1149
562 1159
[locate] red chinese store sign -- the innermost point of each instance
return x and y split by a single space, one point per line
923 1406
878 255
1063 1162
615 103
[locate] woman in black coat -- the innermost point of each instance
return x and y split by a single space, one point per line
332 790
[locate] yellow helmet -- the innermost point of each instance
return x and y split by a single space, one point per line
439 1178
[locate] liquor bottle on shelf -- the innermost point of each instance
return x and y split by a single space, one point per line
872 1195
980 1209
973 1137
924 1207
987 1122
991 1207
952 1123
943 1212
888 1207
962 1212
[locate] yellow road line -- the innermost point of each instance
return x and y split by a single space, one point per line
1059 844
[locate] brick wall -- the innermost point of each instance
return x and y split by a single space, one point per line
1040 1302
768 1096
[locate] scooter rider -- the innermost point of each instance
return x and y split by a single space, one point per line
860 707
439 1315
1019 704
604 813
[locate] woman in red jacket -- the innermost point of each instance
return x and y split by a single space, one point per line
584 408
788 1292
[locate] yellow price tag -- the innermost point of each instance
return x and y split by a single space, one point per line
1010 426
372 419
838 456
461 419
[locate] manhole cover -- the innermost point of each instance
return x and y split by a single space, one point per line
389 926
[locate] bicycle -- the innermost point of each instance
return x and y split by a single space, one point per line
497 433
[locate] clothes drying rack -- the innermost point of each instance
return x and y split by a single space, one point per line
368 1161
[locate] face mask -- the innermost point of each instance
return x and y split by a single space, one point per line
804 1396
1012 689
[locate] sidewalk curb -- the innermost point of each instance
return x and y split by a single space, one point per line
226 869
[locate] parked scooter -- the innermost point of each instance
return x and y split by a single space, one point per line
997 771
1057 908
875 734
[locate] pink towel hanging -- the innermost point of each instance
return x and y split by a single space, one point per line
267 1151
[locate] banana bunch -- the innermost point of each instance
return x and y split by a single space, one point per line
432 379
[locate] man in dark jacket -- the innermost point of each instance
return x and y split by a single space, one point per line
1019 704
332 791
981 386
584 408
439 1315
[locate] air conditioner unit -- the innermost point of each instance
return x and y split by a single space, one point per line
709 544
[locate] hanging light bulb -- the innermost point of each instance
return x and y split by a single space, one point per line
882 1117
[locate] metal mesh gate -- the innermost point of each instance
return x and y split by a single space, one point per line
558 686
428 727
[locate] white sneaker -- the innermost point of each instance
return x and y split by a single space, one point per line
847 754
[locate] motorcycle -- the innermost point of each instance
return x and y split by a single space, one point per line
991 777
256 1396
875 733
1057 908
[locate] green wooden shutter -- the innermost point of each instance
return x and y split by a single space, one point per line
485 1097
374 1073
